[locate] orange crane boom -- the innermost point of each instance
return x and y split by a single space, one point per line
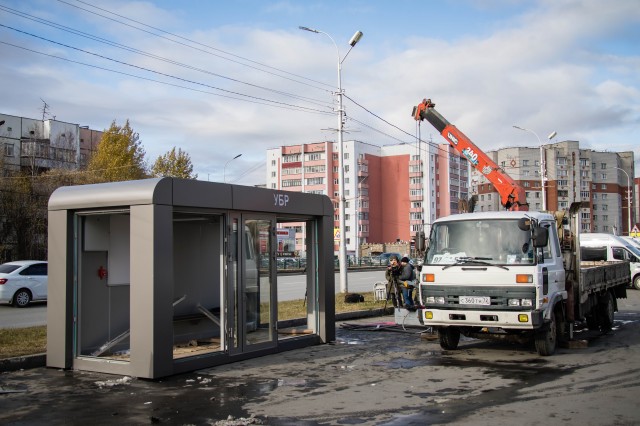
512 195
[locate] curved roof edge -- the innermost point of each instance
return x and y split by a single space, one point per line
125 193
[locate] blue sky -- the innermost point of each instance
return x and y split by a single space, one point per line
221 78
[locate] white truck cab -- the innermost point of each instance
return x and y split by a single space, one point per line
612 248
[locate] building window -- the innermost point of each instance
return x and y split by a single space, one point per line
315 181
273 186
605 207
291 158
603 186
562 182
603 175
314 156
526 184
584 174
8 150
561 161
562 173
584 162
273 174
605 217
315 169
604 196
273 162
525 172
291 182
603 166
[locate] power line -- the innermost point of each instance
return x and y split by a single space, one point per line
157 72
291 107
150 55
196 43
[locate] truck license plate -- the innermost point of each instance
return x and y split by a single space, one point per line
475 300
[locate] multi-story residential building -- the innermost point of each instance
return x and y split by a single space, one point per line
34 146
571 174
391 192
31 147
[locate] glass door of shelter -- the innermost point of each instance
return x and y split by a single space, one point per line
252 300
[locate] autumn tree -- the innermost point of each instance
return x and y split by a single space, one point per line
174 164
119 156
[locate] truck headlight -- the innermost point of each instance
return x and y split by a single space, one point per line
431 299
440 300
527 302
513 302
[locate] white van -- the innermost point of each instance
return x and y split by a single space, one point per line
609 247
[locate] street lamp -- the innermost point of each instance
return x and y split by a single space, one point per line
342 256
628 200
225 167
542 165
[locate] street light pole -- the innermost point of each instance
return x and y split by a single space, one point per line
224 178
542 164
342 255
628 200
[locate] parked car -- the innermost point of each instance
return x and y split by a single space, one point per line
23 281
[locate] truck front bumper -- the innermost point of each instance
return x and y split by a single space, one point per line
522 320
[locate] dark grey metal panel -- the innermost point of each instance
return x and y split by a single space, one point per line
127 193
285 202
197 193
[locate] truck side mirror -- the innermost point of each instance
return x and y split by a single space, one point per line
420 241
540 236
524 224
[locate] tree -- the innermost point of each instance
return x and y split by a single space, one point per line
119 156
174 165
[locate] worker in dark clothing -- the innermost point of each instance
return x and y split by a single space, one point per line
407 281
393 286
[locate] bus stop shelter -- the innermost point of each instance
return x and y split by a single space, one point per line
157 277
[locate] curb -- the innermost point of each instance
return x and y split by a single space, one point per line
23 362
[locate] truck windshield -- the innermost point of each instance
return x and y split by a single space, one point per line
497 242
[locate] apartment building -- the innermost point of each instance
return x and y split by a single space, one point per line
391 192
34 146
570 174
31 147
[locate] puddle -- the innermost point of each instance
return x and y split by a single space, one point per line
403 363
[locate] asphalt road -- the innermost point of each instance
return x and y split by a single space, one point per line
290 287
371 375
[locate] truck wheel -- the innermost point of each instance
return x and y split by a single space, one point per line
547 340
636 282
449 337
606 308
592 322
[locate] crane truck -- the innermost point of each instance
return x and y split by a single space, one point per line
510 275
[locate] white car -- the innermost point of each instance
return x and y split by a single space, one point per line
23 281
